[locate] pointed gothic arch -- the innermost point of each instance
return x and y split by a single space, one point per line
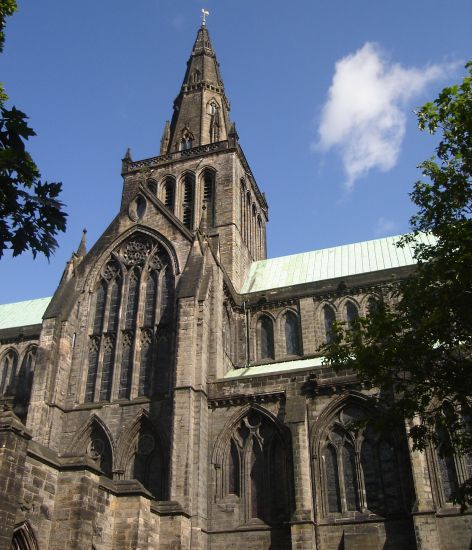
264 337
289 330
95 440
141 455
8 371
252 463
131 312
358 470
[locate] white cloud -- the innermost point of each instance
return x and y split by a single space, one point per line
364 115
385 227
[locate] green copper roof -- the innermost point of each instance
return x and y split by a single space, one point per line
20 314
330 263
273 368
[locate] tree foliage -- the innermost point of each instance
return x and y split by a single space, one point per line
415 345
30 213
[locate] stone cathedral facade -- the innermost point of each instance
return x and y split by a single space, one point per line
170 395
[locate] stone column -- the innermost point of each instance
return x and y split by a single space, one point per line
302 523
14 440
424 520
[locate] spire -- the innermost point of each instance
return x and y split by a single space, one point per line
201 110
82 250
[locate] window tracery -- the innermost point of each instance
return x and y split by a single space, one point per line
360 470
453 468
124 340
256 470
187 140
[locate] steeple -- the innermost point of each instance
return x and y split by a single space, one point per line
201 110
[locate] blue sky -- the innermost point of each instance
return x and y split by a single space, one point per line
322 94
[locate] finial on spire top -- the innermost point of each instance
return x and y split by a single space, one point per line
205 13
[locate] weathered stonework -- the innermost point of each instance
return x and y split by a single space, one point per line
168 410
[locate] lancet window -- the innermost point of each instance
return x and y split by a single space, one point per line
291 330
256 470
145 461
188 199
187 141
360 470
132 314
152 186
226 333
453 468
208 197
8 368
329 318
169 193
24 382
352 313
265 338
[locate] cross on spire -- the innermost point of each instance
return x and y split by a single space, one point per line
205 13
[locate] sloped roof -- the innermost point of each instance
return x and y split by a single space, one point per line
20 314
330 263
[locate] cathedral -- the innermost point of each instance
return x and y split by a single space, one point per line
171 395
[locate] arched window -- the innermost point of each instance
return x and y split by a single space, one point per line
99 307
291 333
150 300
126 365
265 333
23 538
329 318
208 197
226 333
147 339
350 477
234 470
133 299
215 121
24 383
360 471
130 314
107 368
248 221
99 448
169 193
113 315
352 313
152 186
187 140
145 462
188 196
260 237
256 470
8 372
94 347
372 305
446 466
332 479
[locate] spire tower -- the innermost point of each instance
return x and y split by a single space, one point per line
201 110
